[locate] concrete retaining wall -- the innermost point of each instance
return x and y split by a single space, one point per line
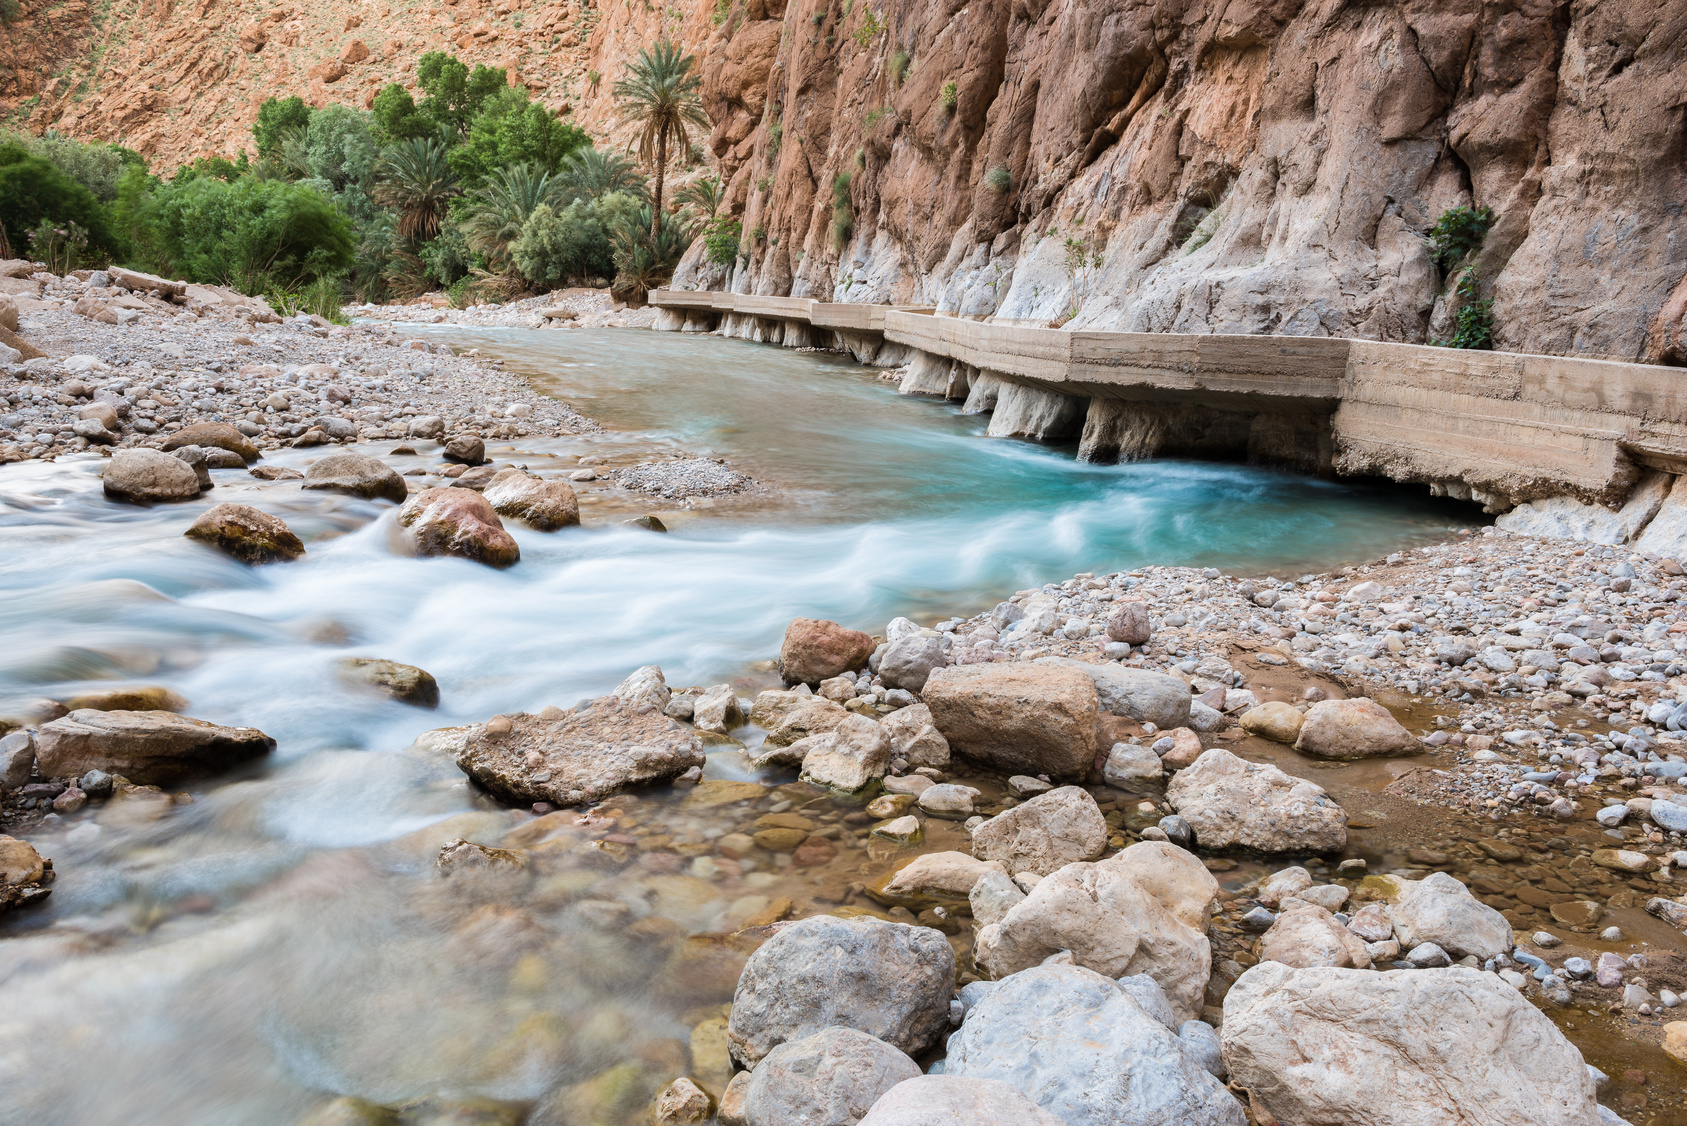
1499 428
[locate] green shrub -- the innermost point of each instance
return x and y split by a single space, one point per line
278 117
322 297
720 240
559 243
723 8
33 190
951 96
250 234
455 93
899 66
96 166
396 118
510 129
339 148
59 247
869 29
448 258
1473 321
775 131
1459 231
843 215
999 179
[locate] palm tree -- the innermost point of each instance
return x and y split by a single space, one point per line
414 178
509 196
587 173
659 95
706 195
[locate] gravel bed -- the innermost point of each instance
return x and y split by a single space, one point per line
680 478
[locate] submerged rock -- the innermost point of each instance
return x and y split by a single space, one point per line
358 475
571 757
141 476
151 748
247 534
458 522
405 683
849 758
1229 801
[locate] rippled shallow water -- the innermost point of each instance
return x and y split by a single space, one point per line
282 937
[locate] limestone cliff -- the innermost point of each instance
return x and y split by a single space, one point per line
1245 166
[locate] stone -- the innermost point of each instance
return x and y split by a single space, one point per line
17 759
948 801
1371 923
585 754
1147 697
831 1078
1176 878
1623 860
457 522
1146 992
1108 923
811 716
20 863
902 830
1669 815
915 738
405 683
1128 765
1352 729
1283 885
1328 896
142 476
682 1103
1036 719
908 661
1229 801
1045 833
1675 1039
357 475
815 649
459 855
852 756
137 699
941 875
1338 1047
1441 910
429 426
956 1100
1108 1062
1275 720
717 710
247 534
889 980
195 458
466 449
1307 935
214 435
1185 749
536 502
1577 913
1128 622
644 687
149 748
993 896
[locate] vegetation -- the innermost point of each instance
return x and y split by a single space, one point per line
869 29
899 66
999 179
660 96
34 190
843 213
720 240
1458 232
1473 319
951 96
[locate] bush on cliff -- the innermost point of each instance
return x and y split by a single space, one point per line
33 190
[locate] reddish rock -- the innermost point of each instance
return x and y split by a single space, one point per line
815 649
247 534
451 521
813 852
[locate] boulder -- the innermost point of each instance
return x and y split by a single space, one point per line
1129 623
1109 923
214 435
992 897
465 448
247 534
141 476
1352 729
1441 910
17 759
915 738
889 980
1086 1052
1229 801
1045 833
1128 765
831 1078
1306 935
140 282
645 685
908 661
195 458
815 650
1176 878
405 683
429 426
538 503
812 715
717 710
1033 719
852 756
358 475
572 757
24 874
1440 1047
940 875
1147 697
458 522
1276 721
957 1100
682 1103
150 748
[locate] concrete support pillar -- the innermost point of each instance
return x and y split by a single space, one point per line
927 375
1024 411
981 398
1116 430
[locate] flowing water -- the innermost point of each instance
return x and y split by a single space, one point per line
239 951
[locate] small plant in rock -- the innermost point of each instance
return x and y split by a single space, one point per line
951 96
899 66
999 179
843 216
723 8
1082 265
775 130
869 29
875 116
1459 232
1473 321
720 240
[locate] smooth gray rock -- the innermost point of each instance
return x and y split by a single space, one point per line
832 1078
992 897
954 1100
143 475
358 475
1151 697
908 662
1438 909
1145 991
1668 815
1086 1052
17 759
888 980
1201 1043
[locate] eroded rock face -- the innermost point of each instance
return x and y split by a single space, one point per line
1352 729
249 535
143 476
358 475
581 755
1229 801
538 503
1107 1061
888 980
957 1100
831 1078
1046 833
815 650
1341 1047
1034 719
458 522
150 747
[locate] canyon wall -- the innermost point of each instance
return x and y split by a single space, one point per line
1233 166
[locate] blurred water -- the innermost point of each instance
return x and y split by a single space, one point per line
232 959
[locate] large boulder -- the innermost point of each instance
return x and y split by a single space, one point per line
572 757
816 650
1142 695
1046 833
1110 924
458 522
151 747
24 874
1129 622
831 1078
1273 720
141 476
536 502
1229 801
908 661
889 980
852 756
809 716
247 534
957 1100
358 475
1307 935
214 435
1441 910
915 738
1352 729
1085 1051
1173 876
1446 1047
1031 719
